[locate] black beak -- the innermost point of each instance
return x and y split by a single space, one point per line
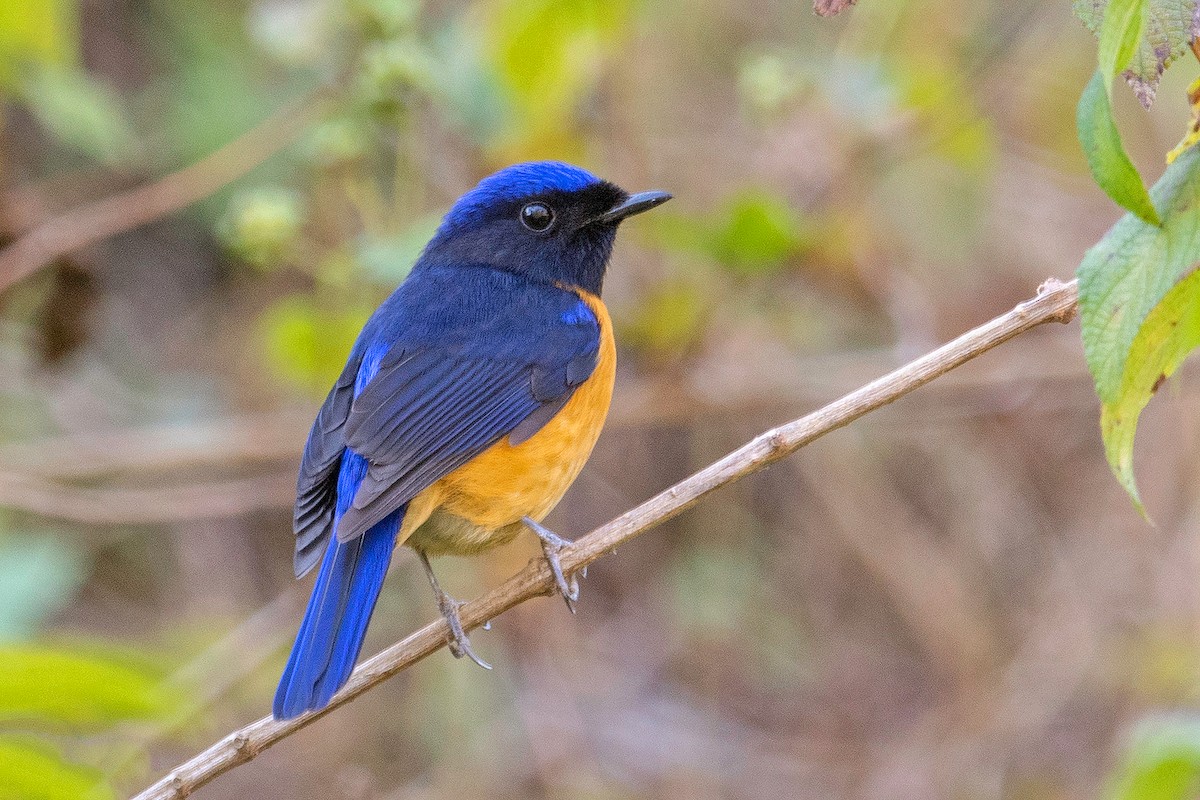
634 204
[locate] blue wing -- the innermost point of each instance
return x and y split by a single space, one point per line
472 355
453 361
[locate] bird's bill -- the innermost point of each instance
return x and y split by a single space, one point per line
634 204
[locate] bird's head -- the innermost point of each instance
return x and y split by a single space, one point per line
544 220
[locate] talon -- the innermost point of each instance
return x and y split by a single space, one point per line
458 642
552 543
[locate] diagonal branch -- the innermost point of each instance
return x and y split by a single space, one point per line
124 211
1055 302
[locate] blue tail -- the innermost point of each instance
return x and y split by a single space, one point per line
335 623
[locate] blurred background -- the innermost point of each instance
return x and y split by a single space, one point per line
203 201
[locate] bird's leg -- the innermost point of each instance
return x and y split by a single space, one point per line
460 645
552 543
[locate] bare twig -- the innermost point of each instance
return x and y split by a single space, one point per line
1055 302
127 210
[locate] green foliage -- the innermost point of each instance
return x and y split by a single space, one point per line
1169 333
75 690
545 55
1168 27
757 232
1120 34
56 686
39 42
32 770
1122 280
262 224
38 574
81 112
308 343
36 33
1106 156
668 320
1162 762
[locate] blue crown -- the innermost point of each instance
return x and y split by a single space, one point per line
520 180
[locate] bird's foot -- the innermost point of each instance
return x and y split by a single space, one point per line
459 644
552 543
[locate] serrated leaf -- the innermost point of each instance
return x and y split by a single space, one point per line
1170 332
43 685
1162 762
1106 156
1170 26
1129 271
31 770
827 8
1120 33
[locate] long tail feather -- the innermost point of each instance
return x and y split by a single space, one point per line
335 623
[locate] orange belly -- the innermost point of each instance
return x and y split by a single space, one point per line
481 504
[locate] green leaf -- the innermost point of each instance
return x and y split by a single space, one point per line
261 225
308 344
1128 272
547 54
1162 762
669 318
755 233
1120 34
37 576
760 231
1170 332
1106 156
31 770
82 113
36 33
39 684
1168 30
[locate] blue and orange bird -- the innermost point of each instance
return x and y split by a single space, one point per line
469 403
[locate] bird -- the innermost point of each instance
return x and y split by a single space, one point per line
468 405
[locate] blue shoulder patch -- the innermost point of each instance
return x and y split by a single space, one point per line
579 314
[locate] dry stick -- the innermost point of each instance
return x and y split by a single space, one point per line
121 212
1056 301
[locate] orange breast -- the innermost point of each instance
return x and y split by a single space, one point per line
507 482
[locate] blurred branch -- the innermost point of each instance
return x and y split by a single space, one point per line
245 440
732 382
1055 302
121 212
126 506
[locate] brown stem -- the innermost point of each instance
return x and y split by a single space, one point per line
1055 302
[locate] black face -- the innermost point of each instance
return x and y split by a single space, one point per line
557 237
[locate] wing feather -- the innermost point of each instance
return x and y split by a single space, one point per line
469 356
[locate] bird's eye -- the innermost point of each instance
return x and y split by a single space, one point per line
537 216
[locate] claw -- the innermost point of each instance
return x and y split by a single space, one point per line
459 644
552 543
